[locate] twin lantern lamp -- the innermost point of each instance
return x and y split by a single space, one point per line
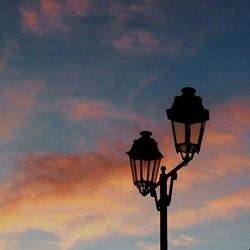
188 118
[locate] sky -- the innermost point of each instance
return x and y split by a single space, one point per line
79 80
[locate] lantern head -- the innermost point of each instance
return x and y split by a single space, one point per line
188 118
145 159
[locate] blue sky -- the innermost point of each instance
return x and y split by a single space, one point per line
79 79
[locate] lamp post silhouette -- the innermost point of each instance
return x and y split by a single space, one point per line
188 118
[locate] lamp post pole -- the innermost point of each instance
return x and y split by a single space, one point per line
164 201
163 210
188 118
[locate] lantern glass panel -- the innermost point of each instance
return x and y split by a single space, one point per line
195 133
155 170
132 164
150 170
138 169
179 132
145 170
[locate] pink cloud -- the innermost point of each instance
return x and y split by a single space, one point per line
123 12
45 16
72 195
221 153
50 7
78 7
225 207
84 109
126 38
90 110
136 40
234 116
16 104
42 18
30 20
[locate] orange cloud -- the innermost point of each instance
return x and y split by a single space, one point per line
91 110
221 155
75 196
83 109
83 197
225 207
50 6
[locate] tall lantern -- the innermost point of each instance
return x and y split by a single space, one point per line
188 118
145 159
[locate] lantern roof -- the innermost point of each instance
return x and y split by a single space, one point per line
145 148
188 108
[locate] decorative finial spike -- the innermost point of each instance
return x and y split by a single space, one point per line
163 169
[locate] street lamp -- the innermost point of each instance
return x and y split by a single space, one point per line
188 118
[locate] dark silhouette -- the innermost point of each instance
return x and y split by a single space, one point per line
188 118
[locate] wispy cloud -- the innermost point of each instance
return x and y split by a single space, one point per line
8 52
79 7
72 195
83 109
44 16
225 207
133 27
136 27
184 240
140 86
16 104
137 40
148 246
77 110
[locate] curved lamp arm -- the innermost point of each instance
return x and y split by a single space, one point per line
165 200
178 167
172 172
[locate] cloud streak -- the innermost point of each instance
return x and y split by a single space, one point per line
137 40
223 208
133 27
84 109
16 105
184 240
45 16
7 53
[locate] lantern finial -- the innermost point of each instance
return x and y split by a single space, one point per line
188 91
145 133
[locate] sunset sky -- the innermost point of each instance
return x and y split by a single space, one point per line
79 80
